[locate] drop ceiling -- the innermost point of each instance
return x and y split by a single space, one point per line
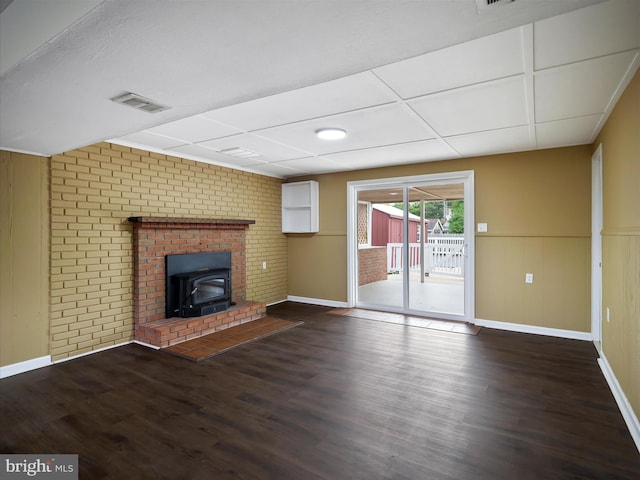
409 81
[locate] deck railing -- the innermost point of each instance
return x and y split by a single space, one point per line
443 255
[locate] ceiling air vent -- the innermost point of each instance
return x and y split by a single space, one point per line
485 4
140 103
240 153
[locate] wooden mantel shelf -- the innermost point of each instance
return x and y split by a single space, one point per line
201 221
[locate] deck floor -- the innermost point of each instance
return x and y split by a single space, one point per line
438 293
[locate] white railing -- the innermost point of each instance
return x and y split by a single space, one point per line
443 254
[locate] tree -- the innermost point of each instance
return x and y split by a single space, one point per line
456 222
431 209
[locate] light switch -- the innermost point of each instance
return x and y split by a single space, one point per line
482 227
528 278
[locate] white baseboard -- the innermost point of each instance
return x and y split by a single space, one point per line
92 352
550 332
26 366
277 302
317 301
148 345
628 414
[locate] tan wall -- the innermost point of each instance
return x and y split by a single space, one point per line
94 190
24 257
620 140
537 206
560 294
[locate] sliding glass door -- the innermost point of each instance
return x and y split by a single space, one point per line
411 241
380 248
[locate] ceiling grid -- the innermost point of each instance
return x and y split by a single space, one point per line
529 78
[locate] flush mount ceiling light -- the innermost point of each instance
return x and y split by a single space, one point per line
331 133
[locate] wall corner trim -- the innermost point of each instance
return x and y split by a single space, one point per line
26 366
628 414
550 332
317 301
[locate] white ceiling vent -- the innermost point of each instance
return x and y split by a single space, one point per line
240 153
140 103
483 5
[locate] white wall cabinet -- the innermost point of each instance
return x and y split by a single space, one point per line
300 207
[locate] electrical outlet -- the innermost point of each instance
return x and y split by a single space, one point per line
528 278
264 265
482 227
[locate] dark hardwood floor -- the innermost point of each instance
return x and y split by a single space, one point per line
335 398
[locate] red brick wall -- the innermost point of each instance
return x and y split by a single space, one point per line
153 241
170 331
372 265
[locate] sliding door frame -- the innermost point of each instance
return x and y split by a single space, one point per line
465 177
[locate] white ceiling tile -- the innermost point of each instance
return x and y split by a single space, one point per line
151 140
563 133
194 129
373 127
425 151
277 170
590 32
199 151
582 88
480 60
342 95
495 141
311 165
269 151
486 106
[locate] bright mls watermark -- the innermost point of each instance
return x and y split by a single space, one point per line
49 466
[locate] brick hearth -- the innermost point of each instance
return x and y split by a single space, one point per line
170 331
153 239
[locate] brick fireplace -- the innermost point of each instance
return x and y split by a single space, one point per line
153 239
